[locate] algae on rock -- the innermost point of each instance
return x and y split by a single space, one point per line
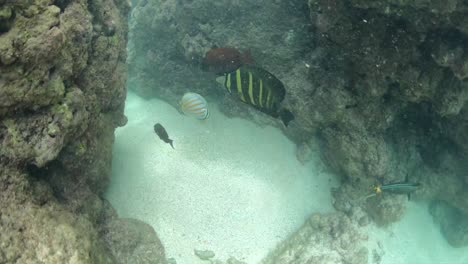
62 86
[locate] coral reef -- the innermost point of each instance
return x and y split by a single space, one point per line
332 238
62 86
400 66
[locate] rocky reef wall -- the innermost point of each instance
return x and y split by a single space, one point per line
403 65
62 91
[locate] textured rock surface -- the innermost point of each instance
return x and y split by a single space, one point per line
322 239
133 241
35 228
399 68
62 87
453 223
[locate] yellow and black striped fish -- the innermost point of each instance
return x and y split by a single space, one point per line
260 89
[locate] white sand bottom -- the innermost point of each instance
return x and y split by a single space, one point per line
229 186
237 189
416 239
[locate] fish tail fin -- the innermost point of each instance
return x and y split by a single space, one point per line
286 116
170 142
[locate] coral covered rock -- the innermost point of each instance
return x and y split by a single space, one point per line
332 238
62 87
453 223
400 68
133 241
35 228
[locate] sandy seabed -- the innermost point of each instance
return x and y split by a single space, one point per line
237 189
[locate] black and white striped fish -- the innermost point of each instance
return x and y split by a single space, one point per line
260 89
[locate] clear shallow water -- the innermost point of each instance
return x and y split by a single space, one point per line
229 186
237 189
417 240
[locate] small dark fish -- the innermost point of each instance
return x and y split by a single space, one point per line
162 134
225 60
260 89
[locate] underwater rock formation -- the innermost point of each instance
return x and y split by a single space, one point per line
36 228
453 223
62 87
134 242
400 66
331 238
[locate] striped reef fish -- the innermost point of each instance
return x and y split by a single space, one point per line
193 104
260 89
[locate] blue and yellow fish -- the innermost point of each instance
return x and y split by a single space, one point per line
404 187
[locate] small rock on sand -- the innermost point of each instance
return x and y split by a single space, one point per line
204 254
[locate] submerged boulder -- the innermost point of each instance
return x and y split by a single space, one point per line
332 238
133 241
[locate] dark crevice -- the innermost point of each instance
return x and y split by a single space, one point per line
7 23
36 172
62 4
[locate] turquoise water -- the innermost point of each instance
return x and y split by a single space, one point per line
416 239
213 193
229 186
381 85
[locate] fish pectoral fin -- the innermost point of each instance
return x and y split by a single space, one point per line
221 79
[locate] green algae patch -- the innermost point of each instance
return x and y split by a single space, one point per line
115 41
63 113
79 148
12 131
5 13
